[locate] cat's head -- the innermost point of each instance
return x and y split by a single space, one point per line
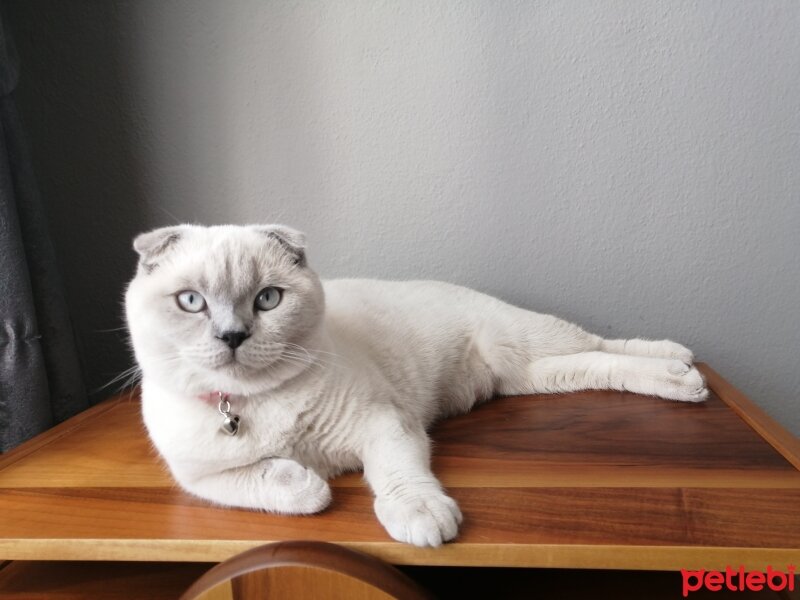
224 308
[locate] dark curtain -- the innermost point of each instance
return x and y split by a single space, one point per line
40 377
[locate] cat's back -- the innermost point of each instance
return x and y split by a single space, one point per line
431 313
394 299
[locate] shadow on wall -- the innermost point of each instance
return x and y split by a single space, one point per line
88 172
109 94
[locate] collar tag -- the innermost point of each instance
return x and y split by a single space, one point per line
230 422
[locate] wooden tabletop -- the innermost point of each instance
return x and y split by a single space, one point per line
584 480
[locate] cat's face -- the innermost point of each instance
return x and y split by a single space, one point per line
223 308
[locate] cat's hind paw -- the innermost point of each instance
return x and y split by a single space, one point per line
428 519
683 383
672 350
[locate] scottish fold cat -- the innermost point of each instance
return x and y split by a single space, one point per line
260 382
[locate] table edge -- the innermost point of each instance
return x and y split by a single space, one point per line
780 438
577 556
58 431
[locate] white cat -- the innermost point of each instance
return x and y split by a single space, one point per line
341 375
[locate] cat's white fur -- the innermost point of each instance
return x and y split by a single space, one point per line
344 374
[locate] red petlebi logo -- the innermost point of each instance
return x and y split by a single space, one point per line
738 580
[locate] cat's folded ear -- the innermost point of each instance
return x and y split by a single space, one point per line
153 244
293 241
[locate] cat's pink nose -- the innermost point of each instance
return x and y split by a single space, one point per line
234 339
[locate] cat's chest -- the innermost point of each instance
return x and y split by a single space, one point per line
197 433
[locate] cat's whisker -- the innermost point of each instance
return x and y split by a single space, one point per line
129 377
314 350
312 360
306 366
307 357
299 361
124 328
312 354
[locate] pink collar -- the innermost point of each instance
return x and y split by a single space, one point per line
214 397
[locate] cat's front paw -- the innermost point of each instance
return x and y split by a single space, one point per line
426 519
293 488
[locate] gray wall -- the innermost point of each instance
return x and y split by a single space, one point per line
632 166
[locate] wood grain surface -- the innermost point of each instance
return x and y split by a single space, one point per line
593 479
305 569
66 580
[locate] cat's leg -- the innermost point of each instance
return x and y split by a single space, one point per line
409 501
273 484
529 352
666 378
654 349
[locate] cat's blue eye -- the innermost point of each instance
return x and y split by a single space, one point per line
268 298
191 301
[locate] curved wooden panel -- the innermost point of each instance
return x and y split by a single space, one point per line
300 570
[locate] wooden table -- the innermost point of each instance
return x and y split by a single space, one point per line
603 480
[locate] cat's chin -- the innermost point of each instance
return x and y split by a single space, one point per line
239 380
234 380
228 384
